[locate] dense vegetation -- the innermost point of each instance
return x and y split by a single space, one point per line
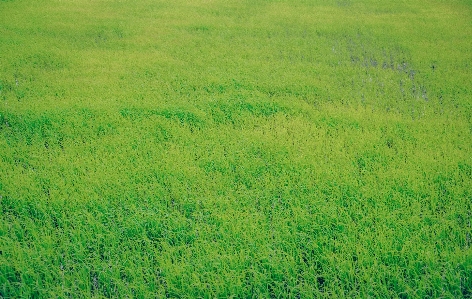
217 149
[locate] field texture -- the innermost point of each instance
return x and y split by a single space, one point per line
235 149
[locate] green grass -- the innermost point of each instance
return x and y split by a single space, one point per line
235 149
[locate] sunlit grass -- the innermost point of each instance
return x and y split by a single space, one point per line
267 149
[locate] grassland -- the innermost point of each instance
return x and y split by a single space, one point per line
235 149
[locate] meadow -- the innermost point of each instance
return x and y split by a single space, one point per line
235 149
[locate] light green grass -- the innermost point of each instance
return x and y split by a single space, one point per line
244 149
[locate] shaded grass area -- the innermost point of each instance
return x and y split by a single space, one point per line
287 149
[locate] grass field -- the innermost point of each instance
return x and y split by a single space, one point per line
235 149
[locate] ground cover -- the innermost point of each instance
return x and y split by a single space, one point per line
267 149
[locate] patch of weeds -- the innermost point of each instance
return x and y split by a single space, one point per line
29 129
181 116
105 36
465 170
369 162
235 112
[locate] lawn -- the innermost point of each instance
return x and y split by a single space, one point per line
235 149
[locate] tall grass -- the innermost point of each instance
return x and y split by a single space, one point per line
267 149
